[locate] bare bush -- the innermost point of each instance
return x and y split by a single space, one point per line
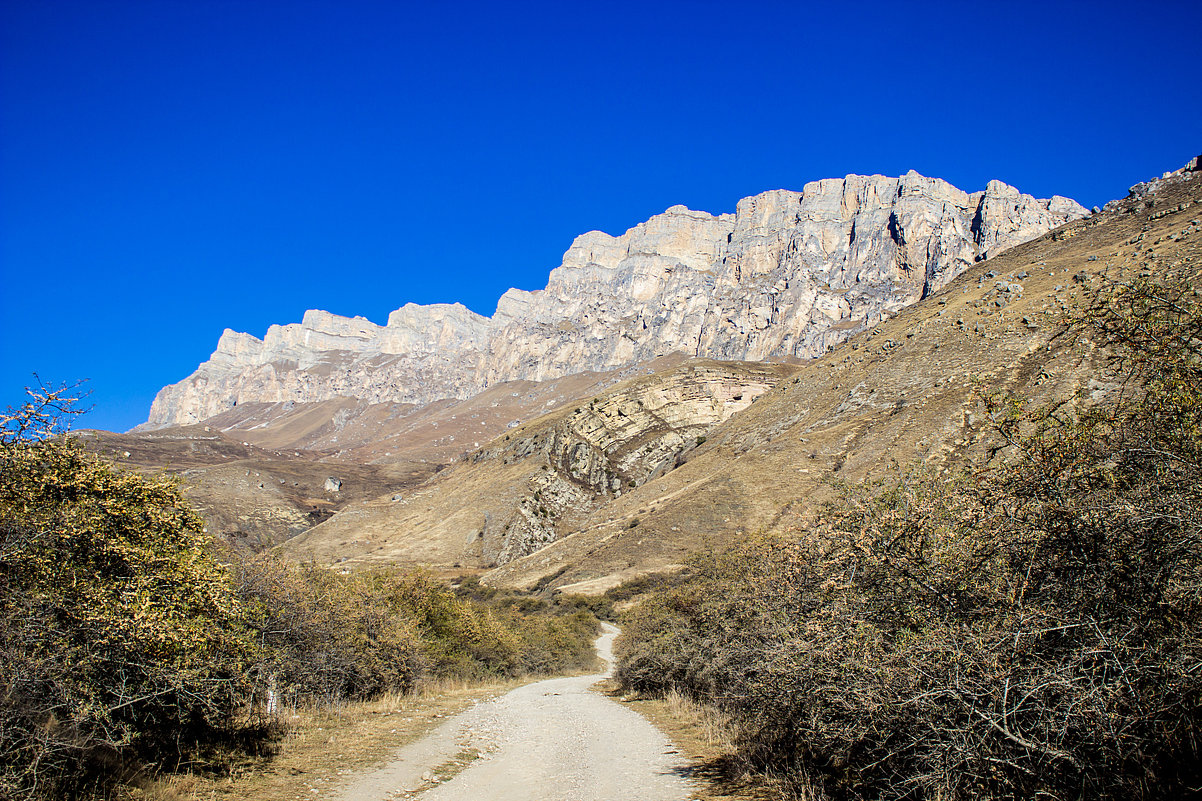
1029 630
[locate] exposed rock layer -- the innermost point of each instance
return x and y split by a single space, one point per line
789 274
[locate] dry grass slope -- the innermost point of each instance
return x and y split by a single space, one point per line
542 480
905 393
251 495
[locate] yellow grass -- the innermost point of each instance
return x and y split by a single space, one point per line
707 738
323 748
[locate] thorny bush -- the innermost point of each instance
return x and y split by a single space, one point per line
1031 629
119 631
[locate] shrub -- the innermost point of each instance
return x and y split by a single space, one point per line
1031 629
119 635
324 637
554 634
127 644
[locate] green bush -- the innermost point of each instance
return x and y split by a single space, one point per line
325 636
119 633
554 634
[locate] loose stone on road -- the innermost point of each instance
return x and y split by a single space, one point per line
552 740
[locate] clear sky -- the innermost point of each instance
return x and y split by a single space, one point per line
171 168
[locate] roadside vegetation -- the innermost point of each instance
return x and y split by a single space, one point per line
131 644
1027 629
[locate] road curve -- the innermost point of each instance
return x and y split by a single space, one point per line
552 740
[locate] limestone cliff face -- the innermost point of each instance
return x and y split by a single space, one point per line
789 274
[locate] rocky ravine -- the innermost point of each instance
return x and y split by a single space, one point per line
789 274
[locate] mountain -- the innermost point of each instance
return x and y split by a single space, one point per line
789 275
261 473
623 484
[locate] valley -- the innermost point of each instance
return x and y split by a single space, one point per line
696 500
600 402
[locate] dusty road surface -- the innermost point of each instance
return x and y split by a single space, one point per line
552 740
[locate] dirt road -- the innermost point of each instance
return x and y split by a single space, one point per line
552 740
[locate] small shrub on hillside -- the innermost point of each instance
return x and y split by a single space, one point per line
643 584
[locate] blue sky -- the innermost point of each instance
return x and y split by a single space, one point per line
169 169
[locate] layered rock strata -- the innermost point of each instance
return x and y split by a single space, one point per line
789 274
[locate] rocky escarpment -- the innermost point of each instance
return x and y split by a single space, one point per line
789 274
617 442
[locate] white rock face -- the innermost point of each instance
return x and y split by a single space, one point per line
788 274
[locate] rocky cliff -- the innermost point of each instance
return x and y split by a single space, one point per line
789 274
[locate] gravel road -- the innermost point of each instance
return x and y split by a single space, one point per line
552 740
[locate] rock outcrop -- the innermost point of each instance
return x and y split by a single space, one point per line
789 274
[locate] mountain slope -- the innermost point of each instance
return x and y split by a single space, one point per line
543 479
904 394
545 511
351 430
248 495
258 473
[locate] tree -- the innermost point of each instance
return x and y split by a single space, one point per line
47 413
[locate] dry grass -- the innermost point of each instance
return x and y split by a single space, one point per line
324 747
706 737
903 392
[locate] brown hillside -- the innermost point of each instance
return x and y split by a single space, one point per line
252 496
258 472
902 394
542 480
